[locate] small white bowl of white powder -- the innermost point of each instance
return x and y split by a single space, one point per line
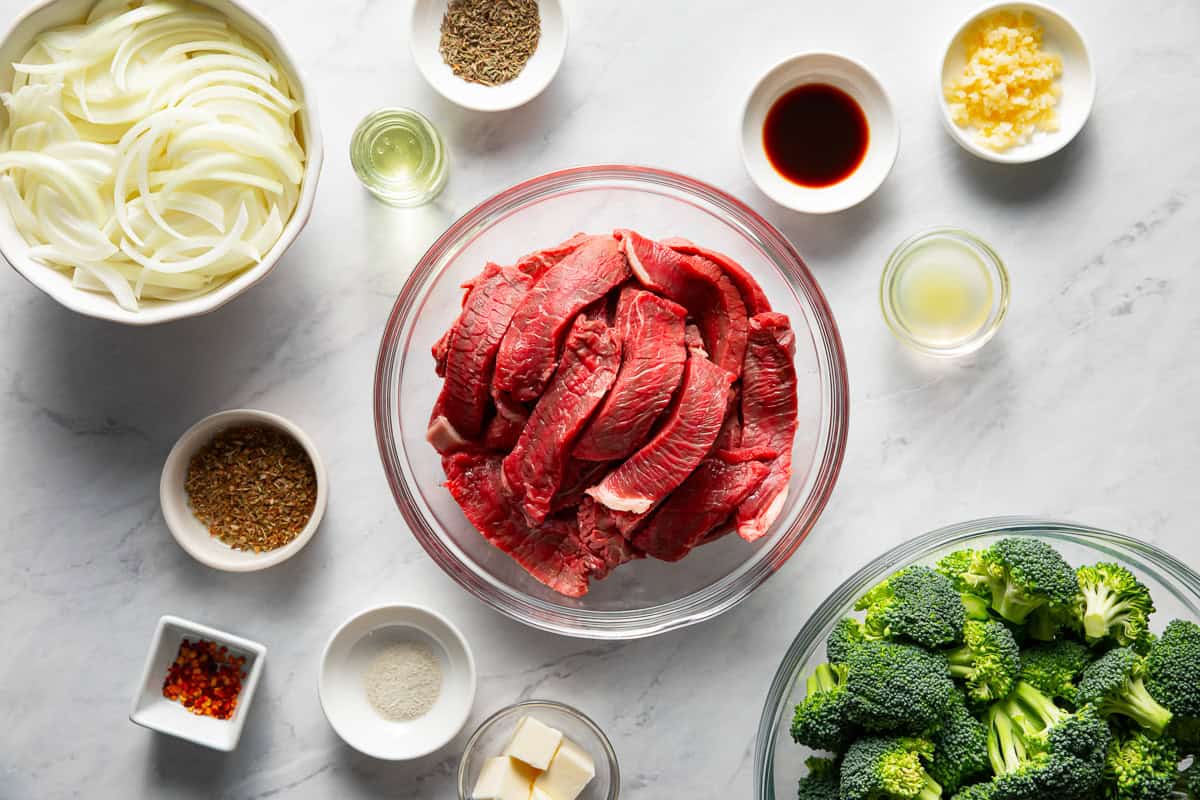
397 682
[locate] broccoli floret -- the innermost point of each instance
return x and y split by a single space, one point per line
915 603
1046 622
960 749
976 791
975 598
1114 684
1189 782
888 768
1140 768
1173 668
1054 667
821 782
896 687
1039 750
1021 576
1113 603
989 661
822 720
846 635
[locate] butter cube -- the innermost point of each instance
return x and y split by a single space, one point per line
534 743
569 773
504 778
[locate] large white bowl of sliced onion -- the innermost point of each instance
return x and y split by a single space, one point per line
157 157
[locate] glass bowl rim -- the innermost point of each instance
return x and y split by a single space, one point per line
718 596
904 554
610 754
992 262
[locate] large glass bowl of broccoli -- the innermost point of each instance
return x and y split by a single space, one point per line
1001 659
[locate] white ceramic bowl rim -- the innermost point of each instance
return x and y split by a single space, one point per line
14 248
173 497
867 90
1028 153
400 610
902 555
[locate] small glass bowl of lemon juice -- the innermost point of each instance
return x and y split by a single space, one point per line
944 292
399 156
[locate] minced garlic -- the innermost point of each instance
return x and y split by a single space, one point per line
1008 88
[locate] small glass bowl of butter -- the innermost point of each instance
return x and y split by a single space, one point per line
539 749
944 292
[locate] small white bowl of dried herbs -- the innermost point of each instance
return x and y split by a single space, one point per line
488 55
243 490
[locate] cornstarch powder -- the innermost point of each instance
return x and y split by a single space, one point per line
404 681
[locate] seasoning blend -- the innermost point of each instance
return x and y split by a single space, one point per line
944 292
399 157
489 41
253 487
404 681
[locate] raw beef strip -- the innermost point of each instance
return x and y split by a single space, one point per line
441 351
577 477
552 553
537 262
471 349
652 359
768 417
533 471
505 427
701 503
752 294
677 448
698 285
602 538
526 359
731 429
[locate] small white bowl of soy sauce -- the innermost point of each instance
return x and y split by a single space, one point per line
819 134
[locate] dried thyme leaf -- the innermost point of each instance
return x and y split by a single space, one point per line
489 41
253 487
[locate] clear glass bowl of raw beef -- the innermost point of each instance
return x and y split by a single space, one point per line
645 597
779 762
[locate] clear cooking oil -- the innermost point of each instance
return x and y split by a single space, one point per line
944 292
399 157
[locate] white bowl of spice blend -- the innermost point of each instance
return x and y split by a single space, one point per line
487 55
243 490
397 682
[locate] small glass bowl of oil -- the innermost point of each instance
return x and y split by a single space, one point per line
399 156
944 292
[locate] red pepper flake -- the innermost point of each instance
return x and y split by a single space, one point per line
206 678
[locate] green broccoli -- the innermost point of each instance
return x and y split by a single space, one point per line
896 687
1054 667
822 720
1114 684
960 749
847 634
976 791
1138 767
1021 576
821 782
1113 604
917 604
1189 782
989 661
1039 750
975 599
888 768
1173 668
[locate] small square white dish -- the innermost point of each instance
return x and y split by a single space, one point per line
152 710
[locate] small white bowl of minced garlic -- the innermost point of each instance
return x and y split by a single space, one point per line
1016 83
243 490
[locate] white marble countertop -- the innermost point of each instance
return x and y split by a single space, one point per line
1086 406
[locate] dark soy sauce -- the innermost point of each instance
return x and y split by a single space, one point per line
816 135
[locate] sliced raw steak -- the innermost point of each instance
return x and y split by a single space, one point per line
505 427
534 469
537 262
471 348
552 553
599 535
701 503
677 448
752 294
730 436
527 355
768 417
652 359
577 477
701 287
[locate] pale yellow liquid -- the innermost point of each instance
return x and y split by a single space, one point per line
942 293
